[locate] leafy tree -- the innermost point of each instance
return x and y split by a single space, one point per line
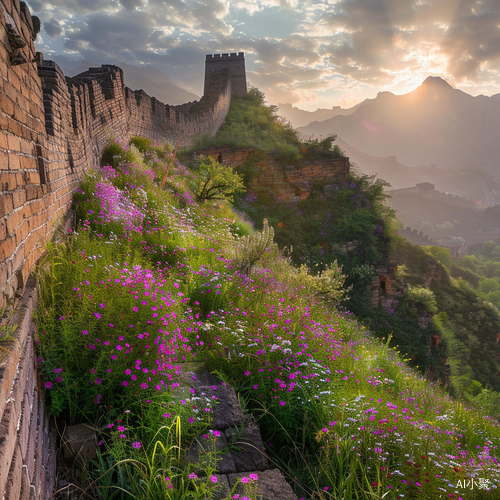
488 247
216 181
489 285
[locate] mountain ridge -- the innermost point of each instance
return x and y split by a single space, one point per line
434 123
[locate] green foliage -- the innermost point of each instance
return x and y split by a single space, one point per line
315 149
250 249
488 247
116 153
466 274
488 285
473 325
328 396
470 262
143 144
421 296
442 255
250 122
329 284
216 181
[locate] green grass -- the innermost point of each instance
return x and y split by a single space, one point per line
155 280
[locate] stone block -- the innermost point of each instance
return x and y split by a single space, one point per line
80 440
222 489
25 485
29 456
14 479
24 425
226 411
271 485
8 429
50 465
249 454
196 374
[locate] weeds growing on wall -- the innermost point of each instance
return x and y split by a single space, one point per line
152 279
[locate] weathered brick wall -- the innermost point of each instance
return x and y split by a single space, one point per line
53 128
291 181
27 441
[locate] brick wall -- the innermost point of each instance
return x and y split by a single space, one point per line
227 154
53 128
27 441
292 181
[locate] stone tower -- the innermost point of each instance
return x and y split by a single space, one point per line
235 63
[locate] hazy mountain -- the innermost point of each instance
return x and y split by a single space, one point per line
435 123
153 81
300 118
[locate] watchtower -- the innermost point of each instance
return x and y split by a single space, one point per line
235 63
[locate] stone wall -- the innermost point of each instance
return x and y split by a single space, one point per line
428 190
27 441
417 237
292 182
227 154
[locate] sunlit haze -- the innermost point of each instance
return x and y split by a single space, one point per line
308 53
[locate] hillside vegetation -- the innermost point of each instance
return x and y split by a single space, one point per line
161 272
152 279
351 225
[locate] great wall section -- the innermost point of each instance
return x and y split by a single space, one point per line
52 129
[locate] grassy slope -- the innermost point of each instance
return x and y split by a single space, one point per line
152 280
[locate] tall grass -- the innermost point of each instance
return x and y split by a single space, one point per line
150 282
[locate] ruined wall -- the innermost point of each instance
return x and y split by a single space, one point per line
292 181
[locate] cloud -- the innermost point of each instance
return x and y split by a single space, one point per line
295 49
53 28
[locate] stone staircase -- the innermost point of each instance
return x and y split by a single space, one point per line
235 436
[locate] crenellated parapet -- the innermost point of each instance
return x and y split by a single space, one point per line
235 64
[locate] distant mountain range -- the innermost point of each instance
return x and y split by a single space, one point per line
434 124
153 81
300 118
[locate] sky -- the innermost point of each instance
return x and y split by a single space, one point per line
312 54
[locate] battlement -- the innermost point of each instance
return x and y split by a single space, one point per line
233 56
235 63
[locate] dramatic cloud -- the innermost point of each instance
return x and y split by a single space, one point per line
310 53
53 28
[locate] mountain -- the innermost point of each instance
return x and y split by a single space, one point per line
300 118
435 124
153 81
